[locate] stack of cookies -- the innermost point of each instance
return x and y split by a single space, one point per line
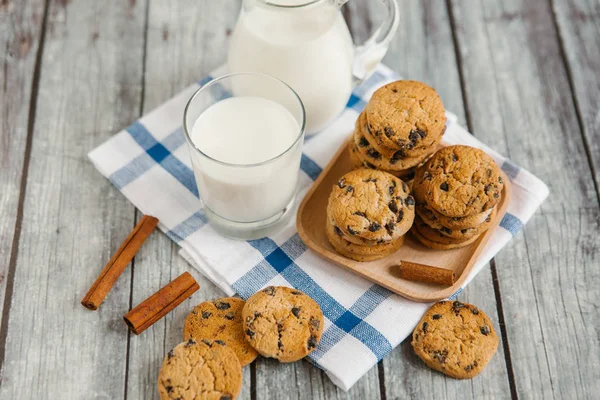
456 192
401 126
368 213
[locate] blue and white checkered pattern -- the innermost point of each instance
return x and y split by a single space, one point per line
149 163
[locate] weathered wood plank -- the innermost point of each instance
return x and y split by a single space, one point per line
423 50
519 101
73 219
579 29
20 34
174 30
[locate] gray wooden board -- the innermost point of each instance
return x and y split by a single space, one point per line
73 221
174 29
579 31
519 101
20 33
425 29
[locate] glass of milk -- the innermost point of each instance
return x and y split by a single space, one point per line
245 133
307 44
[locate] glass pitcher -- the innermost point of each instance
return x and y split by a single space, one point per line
307 44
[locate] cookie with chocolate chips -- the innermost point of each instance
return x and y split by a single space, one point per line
371 205
406 115
458 234
359 252
282 323
220 320
459 181
455 338
434 239
438 221
200 370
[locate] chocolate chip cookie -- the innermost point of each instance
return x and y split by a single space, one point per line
406 115
436 240
359 252
437 220
460 234
372 205
459 181
455 338
221 321
282 323
200 370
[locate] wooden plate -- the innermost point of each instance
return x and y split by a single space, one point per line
311 227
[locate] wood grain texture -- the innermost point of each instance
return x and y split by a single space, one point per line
192 36
519 101
424 50
73 220
20 34
579 33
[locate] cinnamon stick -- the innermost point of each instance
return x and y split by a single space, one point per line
160 303
426 273
115 267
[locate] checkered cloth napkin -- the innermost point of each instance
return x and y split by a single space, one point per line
149 163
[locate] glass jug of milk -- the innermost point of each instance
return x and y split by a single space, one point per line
307 44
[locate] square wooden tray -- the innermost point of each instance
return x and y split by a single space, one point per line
311 227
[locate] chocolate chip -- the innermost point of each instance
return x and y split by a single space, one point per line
425 326
269 290
442 302
400 216
397 156
393 206
395 90
404 187
349 189
296 292
222 343
249 333
489 172
369 165
427 176
496 195
370 180
351 231
280 345
312 342
485 330
341 183
230 316
500 180
487 188
389 132
455 218
169 389
446 230
389 227
337 231
440 355
463 231
436 316
315 323
207 342
296 312
457 304
225 397
444 186
363 142
190 343
391 190
374 154
410 201
468 368
257 314
206 314
170 354
374 227
454 158
222 305
414 136
475 311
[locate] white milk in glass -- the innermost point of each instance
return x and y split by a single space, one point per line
309 49
236 132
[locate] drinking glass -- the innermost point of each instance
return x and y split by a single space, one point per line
245 200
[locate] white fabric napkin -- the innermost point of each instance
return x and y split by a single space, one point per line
149 163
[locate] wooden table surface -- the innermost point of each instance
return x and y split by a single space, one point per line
523 75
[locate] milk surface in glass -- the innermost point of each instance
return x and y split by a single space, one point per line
308 48
237 132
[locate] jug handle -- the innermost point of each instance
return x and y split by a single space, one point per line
368 55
